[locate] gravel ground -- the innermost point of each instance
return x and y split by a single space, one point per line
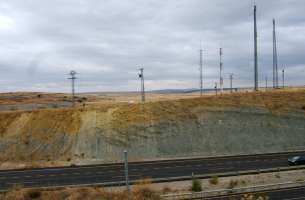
224 183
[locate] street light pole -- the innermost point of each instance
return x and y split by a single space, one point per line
126 170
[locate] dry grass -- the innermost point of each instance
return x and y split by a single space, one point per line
39 97
254 197
138 193
275 102
126 115
214 180
233 184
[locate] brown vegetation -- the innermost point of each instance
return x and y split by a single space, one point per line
254 197
125 115
214 180
36 97
275 102
88 193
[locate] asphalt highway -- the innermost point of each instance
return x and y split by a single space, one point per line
296 193
108 173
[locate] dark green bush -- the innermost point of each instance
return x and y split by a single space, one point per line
34 194
196 185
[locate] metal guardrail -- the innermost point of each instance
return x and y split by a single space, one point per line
242 190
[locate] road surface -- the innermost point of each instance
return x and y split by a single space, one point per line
109 173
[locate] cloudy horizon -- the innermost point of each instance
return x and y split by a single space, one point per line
106 41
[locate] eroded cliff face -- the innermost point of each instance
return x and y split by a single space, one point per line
227 125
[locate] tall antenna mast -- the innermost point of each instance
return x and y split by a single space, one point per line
141 76
73 73
255 53
275 63
201 70
283 78
231 82
266 83
220 71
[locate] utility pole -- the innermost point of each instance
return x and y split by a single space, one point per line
231 83
141 76
216 88
220 71
126 170
266 79
201 71
73 73
283 77
255 53
275 63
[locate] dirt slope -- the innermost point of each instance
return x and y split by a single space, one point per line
229 124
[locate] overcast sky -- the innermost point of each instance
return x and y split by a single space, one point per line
106 41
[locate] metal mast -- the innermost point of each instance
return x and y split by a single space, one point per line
73 73
201 70
255 53
141 76
231 82
220 71
283 78
275 63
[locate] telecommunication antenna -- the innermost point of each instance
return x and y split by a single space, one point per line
255 52
220 70
275 61
231 82
73 78
201 71
141 76
283 78
216 88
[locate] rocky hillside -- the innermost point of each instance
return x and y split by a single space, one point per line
229 124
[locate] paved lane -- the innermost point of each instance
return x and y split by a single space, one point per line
155 169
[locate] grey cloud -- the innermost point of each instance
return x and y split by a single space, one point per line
107 40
